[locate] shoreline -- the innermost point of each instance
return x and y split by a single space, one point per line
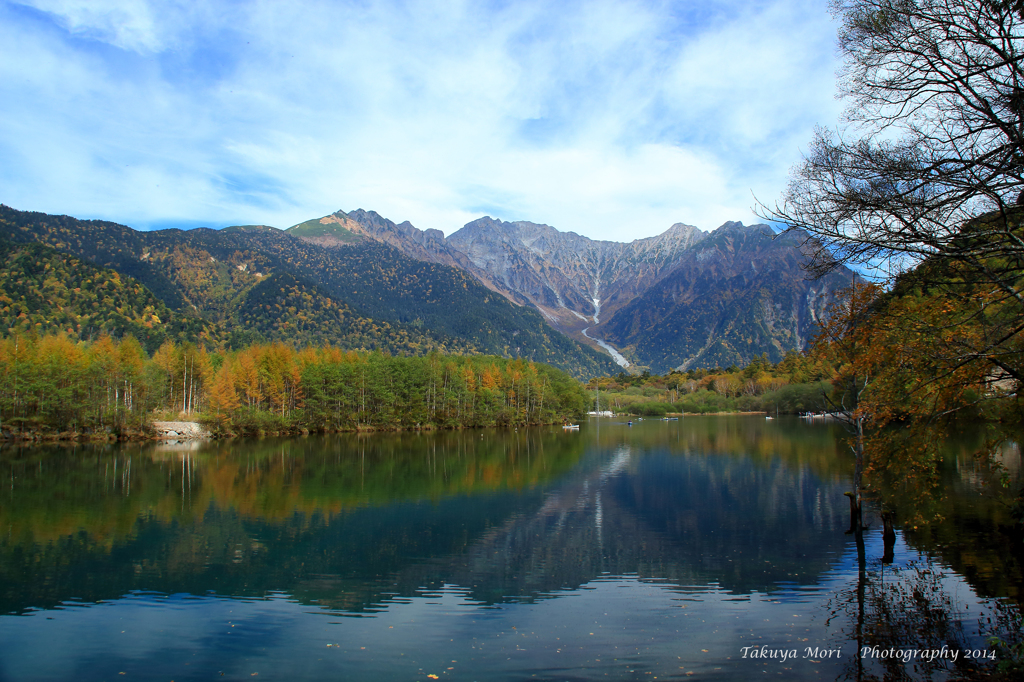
682 414
181 430
190 431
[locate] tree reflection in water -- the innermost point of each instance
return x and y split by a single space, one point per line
707 535
910 622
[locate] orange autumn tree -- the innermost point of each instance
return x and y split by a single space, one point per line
223 397
847 345
899 376
933 376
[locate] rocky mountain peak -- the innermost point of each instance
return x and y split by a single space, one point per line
581 285
679 231
737 225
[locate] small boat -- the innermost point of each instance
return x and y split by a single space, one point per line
674 419
571 427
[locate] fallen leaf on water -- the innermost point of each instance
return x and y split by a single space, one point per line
432 676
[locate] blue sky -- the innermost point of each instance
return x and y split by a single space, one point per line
611 119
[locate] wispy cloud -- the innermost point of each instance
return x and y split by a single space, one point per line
613 119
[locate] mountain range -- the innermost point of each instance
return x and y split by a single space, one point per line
685 298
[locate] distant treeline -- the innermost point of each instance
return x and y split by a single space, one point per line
799 383
52 384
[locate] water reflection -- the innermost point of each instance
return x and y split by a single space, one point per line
721 521
970 511
244 518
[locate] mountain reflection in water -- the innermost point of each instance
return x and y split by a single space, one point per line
720 510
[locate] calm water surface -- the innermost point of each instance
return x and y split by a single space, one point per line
707 548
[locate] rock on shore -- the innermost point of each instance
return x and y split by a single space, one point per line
180 430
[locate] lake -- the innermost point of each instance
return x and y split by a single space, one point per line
704 548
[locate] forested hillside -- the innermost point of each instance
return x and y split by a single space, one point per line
283 307
43 291
364 295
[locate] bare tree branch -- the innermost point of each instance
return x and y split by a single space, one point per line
928 165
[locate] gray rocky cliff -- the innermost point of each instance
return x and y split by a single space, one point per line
575 281
683 298
739 293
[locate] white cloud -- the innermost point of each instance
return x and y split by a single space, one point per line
128 25
611 119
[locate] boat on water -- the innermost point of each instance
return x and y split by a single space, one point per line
670 419
571 427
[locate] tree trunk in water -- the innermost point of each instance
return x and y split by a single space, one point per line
888 538
856 521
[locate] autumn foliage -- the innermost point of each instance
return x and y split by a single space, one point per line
55 384
904 368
